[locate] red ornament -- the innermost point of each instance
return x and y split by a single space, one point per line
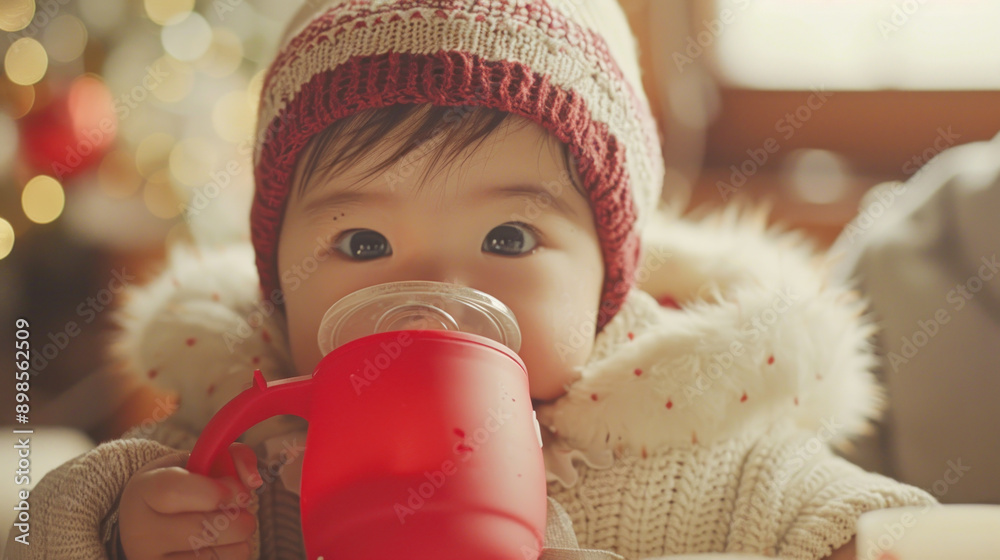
71 133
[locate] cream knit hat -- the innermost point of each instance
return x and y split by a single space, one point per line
569 65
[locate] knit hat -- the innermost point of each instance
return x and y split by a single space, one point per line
569 65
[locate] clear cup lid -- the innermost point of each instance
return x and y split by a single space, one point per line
396 306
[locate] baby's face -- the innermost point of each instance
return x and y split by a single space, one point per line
541 261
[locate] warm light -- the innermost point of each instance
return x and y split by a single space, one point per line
836 45
159 196
26 61
224 55
15 15
232 117
102 15
817 176
8 142
162 11
6 238
152 153
186 37
177 83
117 175
65 38
43 199
254 88
20 99
192 160
178 233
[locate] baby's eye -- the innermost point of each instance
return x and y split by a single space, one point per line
510 239
364 244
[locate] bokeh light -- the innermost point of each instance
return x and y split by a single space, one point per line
254 88
8 142
16 99
26 61
117 175
186 37
159 196
153 152
224 55
192 160
15 15
162 11
102 16
232 117
65 38
43 199
177 83
817 176
6 238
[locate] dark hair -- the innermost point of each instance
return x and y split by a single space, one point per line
344 141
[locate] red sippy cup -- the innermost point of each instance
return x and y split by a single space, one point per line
422 443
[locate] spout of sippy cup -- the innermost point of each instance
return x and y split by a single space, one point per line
417 305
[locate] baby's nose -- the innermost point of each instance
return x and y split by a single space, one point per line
436 268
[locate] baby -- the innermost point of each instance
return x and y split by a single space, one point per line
507 146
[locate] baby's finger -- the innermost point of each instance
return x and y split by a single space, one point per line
246 464
199 531
176 490
236 551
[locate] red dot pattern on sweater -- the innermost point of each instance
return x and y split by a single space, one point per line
638 372
670 404
770 360
190 341
152 373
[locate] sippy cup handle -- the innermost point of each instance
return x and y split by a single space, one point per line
256 404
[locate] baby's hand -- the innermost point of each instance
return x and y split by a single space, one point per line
166 509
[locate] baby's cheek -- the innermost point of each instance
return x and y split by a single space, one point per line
551 354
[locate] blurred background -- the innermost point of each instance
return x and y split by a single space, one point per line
115 113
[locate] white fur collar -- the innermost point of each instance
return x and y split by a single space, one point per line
760 335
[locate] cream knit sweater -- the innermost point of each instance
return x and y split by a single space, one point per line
699 429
